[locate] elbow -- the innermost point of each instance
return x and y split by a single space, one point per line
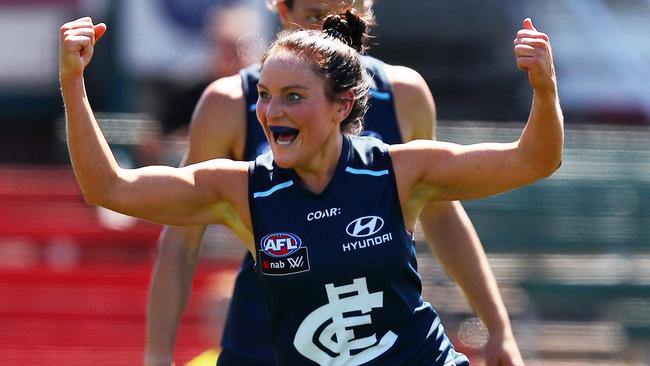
99 192
95 198
541 162
546 166
547 171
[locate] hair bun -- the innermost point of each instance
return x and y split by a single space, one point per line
348 27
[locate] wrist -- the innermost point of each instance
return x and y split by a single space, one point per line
547 92
71 86
498 325
70 77
500 333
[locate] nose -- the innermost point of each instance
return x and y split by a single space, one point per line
272 109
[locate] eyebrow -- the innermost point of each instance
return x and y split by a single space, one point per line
285 88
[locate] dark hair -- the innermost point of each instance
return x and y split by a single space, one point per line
335 54
368 16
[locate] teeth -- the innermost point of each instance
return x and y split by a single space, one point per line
284 142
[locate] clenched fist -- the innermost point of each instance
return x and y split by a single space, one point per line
76 45
534 55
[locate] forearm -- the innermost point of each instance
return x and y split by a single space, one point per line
93 162
171 283
455 243
542 140
543 137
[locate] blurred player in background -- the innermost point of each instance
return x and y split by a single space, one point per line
224 124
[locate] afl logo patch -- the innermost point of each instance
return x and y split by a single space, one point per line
280 245
365 226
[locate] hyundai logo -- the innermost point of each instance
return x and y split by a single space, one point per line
365 226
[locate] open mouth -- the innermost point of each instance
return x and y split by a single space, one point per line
283 135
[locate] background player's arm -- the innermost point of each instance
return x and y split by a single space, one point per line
217 130
449 231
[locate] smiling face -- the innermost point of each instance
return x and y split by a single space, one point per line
300 121
308 14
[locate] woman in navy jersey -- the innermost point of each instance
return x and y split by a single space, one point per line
342 289
225 125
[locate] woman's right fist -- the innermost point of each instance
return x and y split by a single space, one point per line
76 45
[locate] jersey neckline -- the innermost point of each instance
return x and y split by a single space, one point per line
338 171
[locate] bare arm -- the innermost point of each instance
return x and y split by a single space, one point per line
184 196
454 241
190 195
429 170
449 231
216 131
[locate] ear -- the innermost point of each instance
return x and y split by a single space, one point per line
283 13
345 102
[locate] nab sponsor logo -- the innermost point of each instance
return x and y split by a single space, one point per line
365 226
293 263
280 245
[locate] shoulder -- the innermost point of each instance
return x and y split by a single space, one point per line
413 101
218 122
414 160
421 152
405 79
223 180
225 89
422 156
223 95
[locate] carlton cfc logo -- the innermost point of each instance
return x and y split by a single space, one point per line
280 244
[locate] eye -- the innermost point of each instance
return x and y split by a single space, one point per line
261 94
315 18
293 97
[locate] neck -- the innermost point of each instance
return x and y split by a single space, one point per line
319 171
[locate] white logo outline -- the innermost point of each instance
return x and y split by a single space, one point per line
374 224
338 337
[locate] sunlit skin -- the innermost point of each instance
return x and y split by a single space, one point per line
308 14
206 192
292 95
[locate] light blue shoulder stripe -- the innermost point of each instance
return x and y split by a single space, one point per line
374 173
273 189
379 94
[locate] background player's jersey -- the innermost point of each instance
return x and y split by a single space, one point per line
338 269
246 333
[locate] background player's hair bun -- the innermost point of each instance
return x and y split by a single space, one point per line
348 27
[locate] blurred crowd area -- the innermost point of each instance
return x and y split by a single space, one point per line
571 253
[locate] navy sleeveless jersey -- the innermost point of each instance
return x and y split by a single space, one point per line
338 269
246 333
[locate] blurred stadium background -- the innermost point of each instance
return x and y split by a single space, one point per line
571 253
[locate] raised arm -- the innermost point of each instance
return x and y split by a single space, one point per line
186 196
449 231
443 171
